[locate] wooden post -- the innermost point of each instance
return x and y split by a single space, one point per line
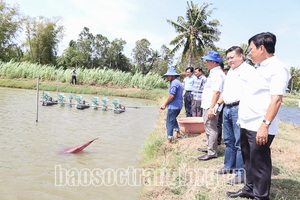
37 99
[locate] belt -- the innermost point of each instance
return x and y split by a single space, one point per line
232 104
188 91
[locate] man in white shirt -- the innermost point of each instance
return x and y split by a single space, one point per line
257 115
199 83
234 86
212 89
188 84
74 74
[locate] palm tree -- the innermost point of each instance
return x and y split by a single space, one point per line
294 81
154 57
195 32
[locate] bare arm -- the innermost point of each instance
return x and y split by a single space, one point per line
215 98
219 102
262 133
164 105
213 103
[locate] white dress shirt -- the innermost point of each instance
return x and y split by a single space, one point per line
270 78
214 82
235 82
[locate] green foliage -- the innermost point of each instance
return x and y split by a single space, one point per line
43 36
152 147
201 196
179 186
10 24
195 32
294 83
95 51
93 76
176 190
141 53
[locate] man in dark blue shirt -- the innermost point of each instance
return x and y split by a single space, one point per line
174 103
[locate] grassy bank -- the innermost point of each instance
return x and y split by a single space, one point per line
291 100
131 92
175 172
175 166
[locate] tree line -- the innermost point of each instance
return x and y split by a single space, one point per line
43 36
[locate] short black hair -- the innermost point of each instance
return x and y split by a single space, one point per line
237 49
266 39
190 68
199 69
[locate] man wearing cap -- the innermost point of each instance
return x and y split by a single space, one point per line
234 86
212 89
174 103
258 108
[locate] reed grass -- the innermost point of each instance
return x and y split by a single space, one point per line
96 76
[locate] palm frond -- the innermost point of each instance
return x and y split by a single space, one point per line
195 32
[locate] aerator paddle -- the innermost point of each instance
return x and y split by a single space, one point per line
79 148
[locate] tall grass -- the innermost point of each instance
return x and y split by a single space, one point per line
84 76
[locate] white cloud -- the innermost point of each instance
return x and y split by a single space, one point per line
133 20
116 19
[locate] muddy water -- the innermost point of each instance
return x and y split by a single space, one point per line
33 165
289 114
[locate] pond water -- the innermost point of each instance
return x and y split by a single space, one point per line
33 165
289 114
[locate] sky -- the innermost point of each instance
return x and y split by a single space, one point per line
134 20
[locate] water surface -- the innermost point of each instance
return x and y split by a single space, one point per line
31 151
289 114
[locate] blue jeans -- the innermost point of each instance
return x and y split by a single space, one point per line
233 155
171 122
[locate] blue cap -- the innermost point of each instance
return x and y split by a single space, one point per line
214 56
171 72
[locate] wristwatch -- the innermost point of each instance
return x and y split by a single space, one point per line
267 122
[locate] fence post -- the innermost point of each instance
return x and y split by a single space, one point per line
37 98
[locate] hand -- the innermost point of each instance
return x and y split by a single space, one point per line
262 135
163 106
215 109
210 114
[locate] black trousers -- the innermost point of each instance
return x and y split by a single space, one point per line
220 126
73 81
188 103
257 164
